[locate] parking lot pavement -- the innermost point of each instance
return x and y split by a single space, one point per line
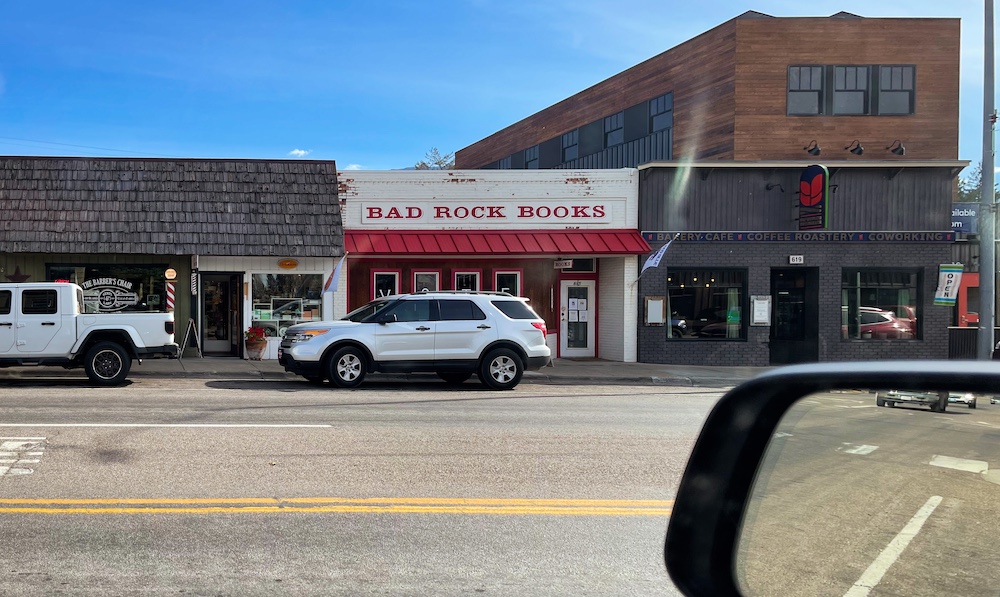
561 371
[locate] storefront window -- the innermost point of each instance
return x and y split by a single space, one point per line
282 300
116 288
425 281
509 282
385 284
467 281
706 304
879 304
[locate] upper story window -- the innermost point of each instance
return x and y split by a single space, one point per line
504 163
805 90
896 90
614 129
531 158
571 145
850 89
661 112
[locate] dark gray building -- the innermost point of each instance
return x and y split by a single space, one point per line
745 285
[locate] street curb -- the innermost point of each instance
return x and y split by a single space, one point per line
42 373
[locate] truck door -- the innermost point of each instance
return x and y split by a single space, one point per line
7 331
38 320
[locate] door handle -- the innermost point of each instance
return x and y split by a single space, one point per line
483 326
48 323
7 324
423 328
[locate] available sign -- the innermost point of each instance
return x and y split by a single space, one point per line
965 217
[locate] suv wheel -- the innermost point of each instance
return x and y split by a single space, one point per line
501 369
346 368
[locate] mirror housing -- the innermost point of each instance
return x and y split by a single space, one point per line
704 529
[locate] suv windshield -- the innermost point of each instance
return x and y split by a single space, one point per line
368 310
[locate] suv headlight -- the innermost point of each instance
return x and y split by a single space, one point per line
304 335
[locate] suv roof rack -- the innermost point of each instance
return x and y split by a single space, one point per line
487 292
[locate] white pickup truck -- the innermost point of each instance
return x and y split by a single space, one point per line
48 323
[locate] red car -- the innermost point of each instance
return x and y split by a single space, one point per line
882 324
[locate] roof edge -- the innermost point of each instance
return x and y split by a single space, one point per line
804 163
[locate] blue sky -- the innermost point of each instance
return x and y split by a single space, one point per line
372 84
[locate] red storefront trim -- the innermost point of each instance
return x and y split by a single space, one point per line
491 243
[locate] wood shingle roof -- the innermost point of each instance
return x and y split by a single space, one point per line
170 206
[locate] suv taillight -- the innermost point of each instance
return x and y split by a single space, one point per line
541 327
168 327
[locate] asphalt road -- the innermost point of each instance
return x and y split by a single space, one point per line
214 487
858 500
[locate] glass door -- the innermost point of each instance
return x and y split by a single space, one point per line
221 331
577 318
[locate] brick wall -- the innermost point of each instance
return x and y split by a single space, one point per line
829 258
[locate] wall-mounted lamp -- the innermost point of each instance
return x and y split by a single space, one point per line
774 185
897 148
855 147
812 148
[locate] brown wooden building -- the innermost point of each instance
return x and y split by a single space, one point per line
757 87
248 242
725 129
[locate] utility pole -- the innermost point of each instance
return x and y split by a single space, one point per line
987 218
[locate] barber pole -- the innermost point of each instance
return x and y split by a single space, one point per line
170 296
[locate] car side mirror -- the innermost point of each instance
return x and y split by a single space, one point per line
835 478
391 318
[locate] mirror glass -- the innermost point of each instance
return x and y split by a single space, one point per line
877 493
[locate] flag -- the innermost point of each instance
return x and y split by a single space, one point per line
334 278
949 280
654 259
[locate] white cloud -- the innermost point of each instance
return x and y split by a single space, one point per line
354 167
299 153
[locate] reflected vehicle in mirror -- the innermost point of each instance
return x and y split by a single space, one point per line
800 485
937 401
966 398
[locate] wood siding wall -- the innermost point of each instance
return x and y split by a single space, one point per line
700 72
537 278
738 199
730 92
767 47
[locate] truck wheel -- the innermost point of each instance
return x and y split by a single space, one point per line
879 401
107 364
501 369
346 368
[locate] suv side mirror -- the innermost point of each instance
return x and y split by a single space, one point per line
391 318
803 479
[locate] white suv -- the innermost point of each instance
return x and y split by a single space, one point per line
454 334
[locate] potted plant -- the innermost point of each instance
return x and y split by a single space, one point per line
256 343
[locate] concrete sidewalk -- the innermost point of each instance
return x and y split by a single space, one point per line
562 371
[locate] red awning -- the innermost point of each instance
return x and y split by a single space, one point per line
480 242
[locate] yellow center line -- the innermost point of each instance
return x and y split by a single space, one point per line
328 505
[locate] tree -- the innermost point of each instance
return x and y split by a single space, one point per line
433 160
970 187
